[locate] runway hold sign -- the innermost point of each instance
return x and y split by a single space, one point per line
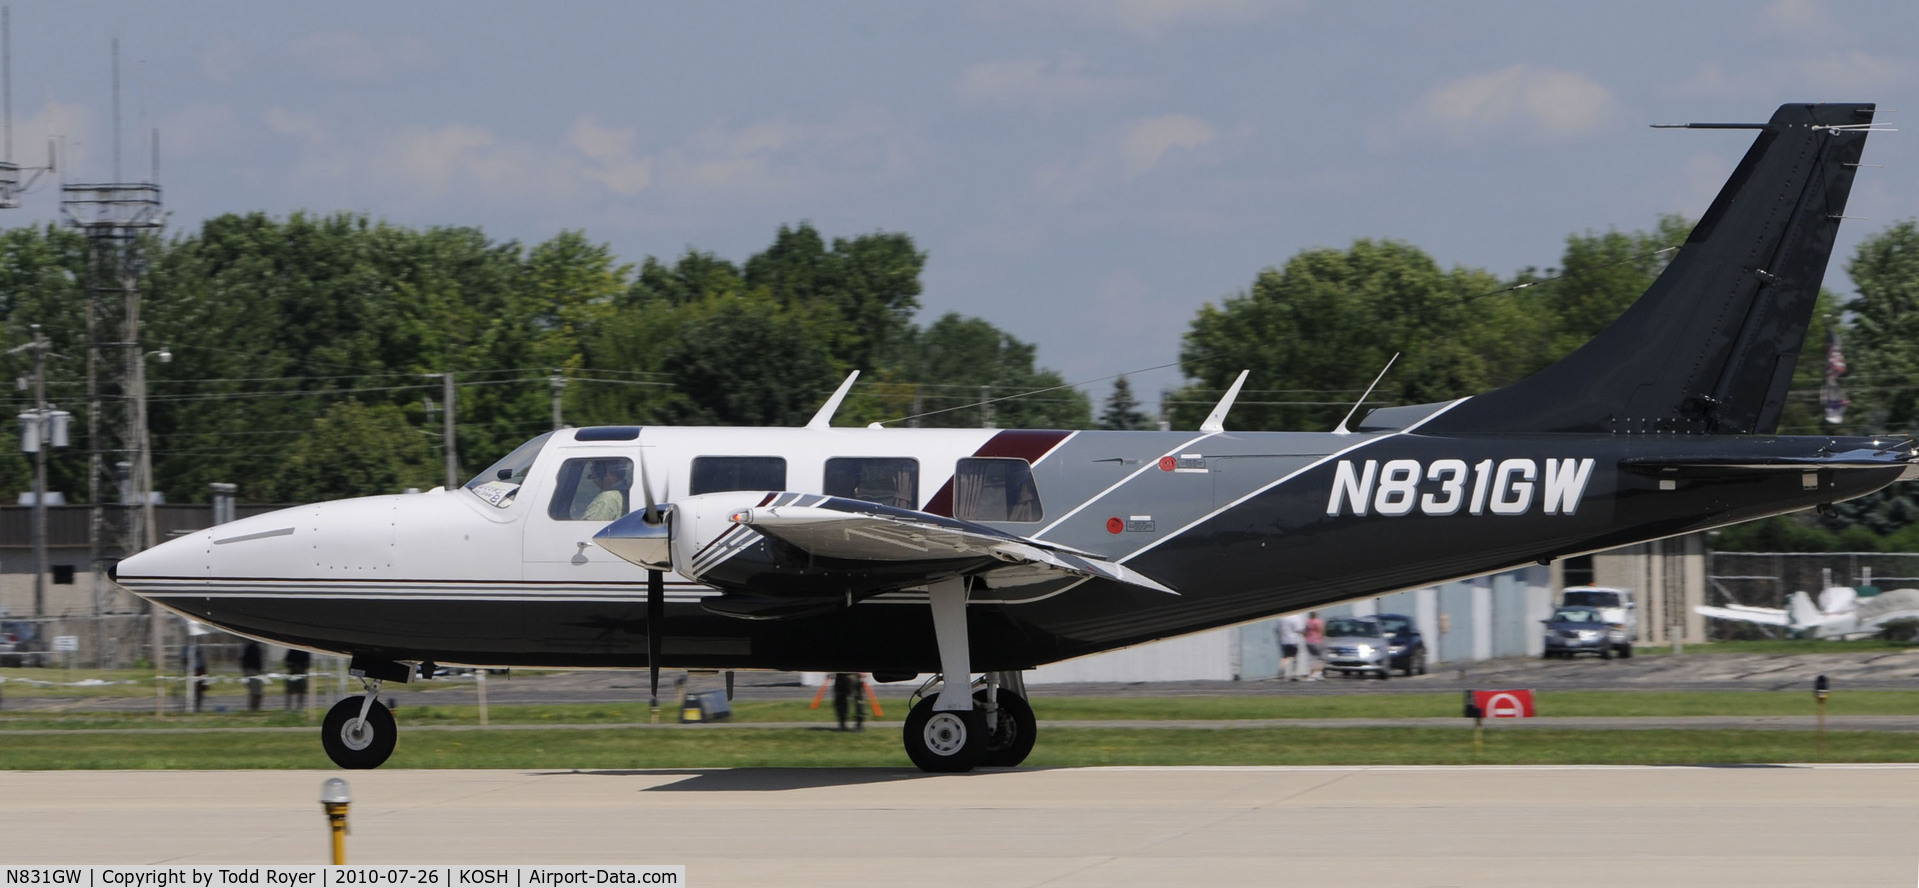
1499 704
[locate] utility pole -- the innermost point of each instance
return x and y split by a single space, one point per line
558 379
446 415
985 406
37 438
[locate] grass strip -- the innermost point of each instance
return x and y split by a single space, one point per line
880 747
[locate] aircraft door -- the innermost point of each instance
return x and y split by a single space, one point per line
587 490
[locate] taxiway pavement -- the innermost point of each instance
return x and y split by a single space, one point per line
1481 826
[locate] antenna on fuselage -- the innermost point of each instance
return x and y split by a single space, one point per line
1216 420
824 418
1342 430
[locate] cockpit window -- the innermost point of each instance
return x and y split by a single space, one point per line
501 481
592 489
887 480
995 489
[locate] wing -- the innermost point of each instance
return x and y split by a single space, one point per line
851 530
1763 615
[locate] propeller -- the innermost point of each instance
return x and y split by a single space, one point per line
655 595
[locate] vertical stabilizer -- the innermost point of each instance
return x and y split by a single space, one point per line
1710 347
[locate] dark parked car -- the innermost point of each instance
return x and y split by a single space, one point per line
1407 646
19 644
1573 630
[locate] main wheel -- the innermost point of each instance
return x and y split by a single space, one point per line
945 741
1011 741
353 743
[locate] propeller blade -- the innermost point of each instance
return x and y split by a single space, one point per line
655 615
646 490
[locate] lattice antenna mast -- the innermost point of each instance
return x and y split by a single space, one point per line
11 187
116 217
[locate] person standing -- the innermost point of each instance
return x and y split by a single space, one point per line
298 664
1290 631
252 663
1315 638
846 696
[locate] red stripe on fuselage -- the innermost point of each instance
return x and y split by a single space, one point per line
1026 444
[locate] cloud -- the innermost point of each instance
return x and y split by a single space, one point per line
1126 154
1839 73
1858 71
432 161
1150 19
1531 101
1038 84
611 153
1146 143
352 57
201 128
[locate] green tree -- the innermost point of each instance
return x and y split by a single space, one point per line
1883 351
963 361
352 447
1122 409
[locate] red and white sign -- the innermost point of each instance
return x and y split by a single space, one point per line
1504 704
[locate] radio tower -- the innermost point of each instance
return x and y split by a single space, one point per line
115 216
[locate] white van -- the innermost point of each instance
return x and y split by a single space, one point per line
1615 606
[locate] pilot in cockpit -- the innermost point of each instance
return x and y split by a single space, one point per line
609 476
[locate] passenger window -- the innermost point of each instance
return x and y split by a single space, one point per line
714 474
592 489
887 480
995 489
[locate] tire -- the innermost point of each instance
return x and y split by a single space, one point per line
1625 651
1011 741
949 742
1605 653
1385 674
1419 662
352 744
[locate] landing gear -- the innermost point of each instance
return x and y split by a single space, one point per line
958 729
359 731
945 741
1010 738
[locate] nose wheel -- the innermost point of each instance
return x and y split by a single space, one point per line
359 731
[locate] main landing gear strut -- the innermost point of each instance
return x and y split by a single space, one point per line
962 727
359 731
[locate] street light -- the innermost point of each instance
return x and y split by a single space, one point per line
334 799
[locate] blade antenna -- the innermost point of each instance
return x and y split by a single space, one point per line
824 418
1216 421
1342 430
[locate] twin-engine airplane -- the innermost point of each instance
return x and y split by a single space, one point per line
964 553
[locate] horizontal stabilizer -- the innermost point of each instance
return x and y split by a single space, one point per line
1762 615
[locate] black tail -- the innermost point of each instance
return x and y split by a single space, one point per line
1710 347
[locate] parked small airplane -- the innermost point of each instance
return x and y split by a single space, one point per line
976 552
1841 613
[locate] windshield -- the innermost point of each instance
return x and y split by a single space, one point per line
1351 628
1592 599
501 481
1575 615
1396 625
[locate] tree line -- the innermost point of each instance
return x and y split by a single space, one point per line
305 349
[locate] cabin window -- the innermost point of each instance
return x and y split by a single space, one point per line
714 474
500 483
887 480
995 489
592 489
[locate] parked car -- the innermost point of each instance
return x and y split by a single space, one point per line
1358 646
1403 641
1615 605
1576 629
19 644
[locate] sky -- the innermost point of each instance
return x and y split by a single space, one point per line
1085 174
